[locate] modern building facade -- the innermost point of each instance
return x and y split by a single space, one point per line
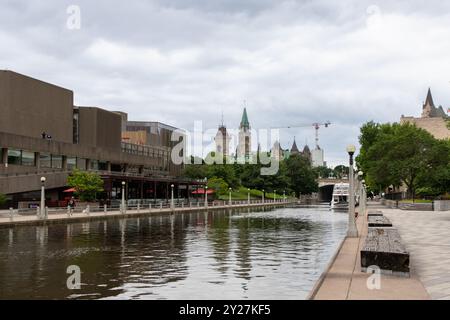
317 157
42 133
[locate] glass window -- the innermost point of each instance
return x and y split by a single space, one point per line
14 157
56 162
102 166
28 158
71 163
81 163
45 160
94 165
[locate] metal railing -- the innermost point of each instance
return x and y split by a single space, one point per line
133 206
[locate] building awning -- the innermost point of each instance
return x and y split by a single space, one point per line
202 191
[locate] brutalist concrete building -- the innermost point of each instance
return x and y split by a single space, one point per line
42 133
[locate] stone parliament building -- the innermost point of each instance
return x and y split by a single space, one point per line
433 119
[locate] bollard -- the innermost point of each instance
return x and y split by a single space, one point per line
182 205
11 214
68 211
198 204
160 206
38 212
46 212
149 207
138 207
105 209
88 209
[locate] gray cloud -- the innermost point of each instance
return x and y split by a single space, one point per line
294 62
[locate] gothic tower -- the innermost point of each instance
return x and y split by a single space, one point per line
245 138
222 140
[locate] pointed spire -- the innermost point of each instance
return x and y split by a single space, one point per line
294 148
244 121
429 100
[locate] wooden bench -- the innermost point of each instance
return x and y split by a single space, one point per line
376 213
383 248
378 221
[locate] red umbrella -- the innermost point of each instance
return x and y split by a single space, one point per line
202 191
70 190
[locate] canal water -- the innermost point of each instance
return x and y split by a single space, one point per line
240 254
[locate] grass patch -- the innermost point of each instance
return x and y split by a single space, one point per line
415 201
242 194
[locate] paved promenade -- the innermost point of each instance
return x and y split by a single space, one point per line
345 281
426 235
63 217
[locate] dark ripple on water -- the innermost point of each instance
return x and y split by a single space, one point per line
275 254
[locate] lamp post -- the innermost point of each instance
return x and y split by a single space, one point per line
229 196
274 195
263 195
363 195
358 183
171 197
284 195
248 195
123 198
42 211
206 196
352 230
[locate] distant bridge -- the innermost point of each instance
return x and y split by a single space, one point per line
326 186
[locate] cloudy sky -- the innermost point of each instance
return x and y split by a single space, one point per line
293 62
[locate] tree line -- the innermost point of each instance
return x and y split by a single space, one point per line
295 176
394 155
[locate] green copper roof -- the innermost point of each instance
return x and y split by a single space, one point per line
244 121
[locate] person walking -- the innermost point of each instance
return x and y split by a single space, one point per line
71 204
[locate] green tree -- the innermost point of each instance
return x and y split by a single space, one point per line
301 175
218 185
340 171
224 171
323 172
436 179
87 184
396 154
3 199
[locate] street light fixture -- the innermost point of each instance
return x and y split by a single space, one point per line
171 199
206 196
42 211
352 230
123 197
229 196
263 192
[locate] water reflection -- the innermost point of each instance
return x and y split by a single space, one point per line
201 255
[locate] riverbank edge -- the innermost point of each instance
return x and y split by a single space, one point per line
96 216
394 287
325 271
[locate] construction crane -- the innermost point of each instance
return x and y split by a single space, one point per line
316 126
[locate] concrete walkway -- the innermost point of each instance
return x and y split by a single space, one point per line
63 217
345 281
426 235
